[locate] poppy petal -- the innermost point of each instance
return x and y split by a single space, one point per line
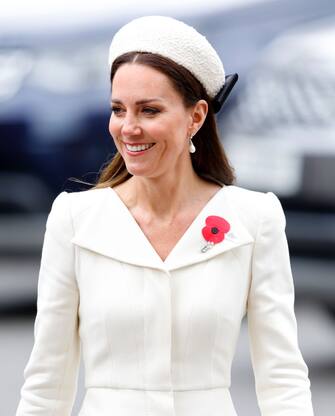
219 222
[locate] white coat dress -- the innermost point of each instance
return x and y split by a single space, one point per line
158 337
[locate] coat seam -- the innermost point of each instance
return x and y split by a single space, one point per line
66 366
261 219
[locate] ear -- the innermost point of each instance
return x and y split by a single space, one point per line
198 116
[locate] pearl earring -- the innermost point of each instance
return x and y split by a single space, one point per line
191 145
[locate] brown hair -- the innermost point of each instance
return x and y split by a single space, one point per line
209 161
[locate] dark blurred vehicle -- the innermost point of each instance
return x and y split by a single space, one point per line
281 137
53 118
54 95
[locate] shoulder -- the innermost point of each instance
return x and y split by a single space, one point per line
83 200
256 207
252 200
75 204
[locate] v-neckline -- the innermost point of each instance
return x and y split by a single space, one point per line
182 237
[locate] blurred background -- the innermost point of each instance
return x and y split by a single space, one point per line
278 128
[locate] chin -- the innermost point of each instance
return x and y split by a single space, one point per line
139 171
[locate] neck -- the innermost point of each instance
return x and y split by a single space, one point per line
167 195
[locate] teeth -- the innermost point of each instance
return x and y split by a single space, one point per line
139 148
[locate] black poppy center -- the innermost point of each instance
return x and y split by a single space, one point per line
214 230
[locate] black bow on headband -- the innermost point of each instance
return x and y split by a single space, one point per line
221 96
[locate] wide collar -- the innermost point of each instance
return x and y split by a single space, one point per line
107 227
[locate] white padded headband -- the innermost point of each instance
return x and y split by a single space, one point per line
172 39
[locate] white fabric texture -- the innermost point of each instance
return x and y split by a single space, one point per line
158 337
172 39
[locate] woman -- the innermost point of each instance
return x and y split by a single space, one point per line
153 269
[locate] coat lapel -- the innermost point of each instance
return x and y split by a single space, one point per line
188 249
108 228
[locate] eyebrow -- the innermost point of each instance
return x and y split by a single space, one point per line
148 100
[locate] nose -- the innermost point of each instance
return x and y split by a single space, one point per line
130 126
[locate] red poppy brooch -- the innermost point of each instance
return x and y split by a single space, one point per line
214 231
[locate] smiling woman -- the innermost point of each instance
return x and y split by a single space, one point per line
152 270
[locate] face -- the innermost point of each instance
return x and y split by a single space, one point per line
149 123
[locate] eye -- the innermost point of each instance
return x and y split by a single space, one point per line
116 110
150 110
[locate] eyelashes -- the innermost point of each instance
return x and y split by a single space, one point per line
116 110
146 110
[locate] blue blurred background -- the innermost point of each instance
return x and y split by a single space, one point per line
278 128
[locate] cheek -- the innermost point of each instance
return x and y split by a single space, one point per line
114 128
170 130
114 131
111 126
